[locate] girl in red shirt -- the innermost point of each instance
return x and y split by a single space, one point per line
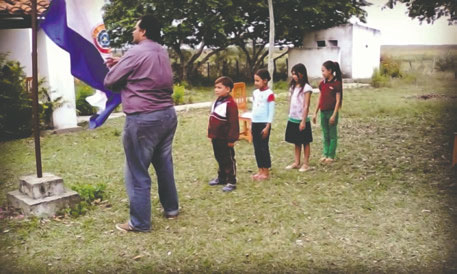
330 100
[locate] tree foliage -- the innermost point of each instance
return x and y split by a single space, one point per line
429 10
216 24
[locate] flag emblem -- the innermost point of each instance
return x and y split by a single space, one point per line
101 38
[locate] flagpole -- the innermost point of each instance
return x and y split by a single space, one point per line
36 118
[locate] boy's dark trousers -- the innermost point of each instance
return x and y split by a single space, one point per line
225 157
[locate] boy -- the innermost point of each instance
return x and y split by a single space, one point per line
223 130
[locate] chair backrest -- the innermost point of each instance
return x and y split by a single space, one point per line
239 95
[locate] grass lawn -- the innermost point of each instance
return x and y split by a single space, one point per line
387 204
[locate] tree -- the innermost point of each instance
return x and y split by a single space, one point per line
215 24
197 24
429 10
293 18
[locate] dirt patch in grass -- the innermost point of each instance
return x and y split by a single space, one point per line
432 96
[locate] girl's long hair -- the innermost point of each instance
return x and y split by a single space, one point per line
263 74
335 68
299 68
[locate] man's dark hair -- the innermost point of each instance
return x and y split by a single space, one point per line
226 81
152 27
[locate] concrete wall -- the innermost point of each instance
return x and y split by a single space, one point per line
313 58
343 34
17 42
53 64
366 51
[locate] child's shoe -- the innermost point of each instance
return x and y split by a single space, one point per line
255 176
215 182
262 177
229 187
292 166
304 168
328 161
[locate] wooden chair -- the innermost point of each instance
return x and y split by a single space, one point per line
454 153
244 116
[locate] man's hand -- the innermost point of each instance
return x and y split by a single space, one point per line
111 61
302 125
230 144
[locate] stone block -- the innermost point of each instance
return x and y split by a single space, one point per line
43 207
37 188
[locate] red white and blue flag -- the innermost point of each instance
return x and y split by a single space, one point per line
77 27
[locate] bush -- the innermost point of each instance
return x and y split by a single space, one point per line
178 94
447 63
82 92
281 85
89 194
16 102
379 80
390 67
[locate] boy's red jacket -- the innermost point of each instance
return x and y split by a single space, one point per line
223 121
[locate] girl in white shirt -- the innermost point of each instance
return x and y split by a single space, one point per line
298 131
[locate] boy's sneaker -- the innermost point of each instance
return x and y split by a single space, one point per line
215 182
229 187
170 216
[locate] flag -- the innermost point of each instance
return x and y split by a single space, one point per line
77 27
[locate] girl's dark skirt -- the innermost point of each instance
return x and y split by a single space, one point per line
295 136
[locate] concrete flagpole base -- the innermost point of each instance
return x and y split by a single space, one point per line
42 197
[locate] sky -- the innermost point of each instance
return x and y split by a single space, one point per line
397 28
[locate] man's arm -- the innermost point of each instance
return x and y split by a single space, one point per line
116 78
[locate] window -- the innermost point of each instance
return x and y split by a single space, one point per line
333 43
321 44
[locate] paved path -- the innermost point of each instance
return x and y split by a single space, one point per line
82 119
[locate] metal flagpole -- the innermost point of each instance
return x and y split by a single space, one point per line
36 118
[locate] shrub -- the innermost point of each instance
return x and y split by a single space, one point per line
447 63
16 102
281 85
89 194
82 92
379 80
46 105
178 94
390 67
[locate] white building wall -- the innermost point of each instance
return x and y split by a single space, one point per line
343 34
53 64
313 59
366 51
17 43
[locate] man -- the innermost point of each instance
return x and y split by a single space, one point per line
144 78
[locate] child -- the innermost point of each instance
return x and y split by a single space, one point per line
263 107
223 129
330 100
298 129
